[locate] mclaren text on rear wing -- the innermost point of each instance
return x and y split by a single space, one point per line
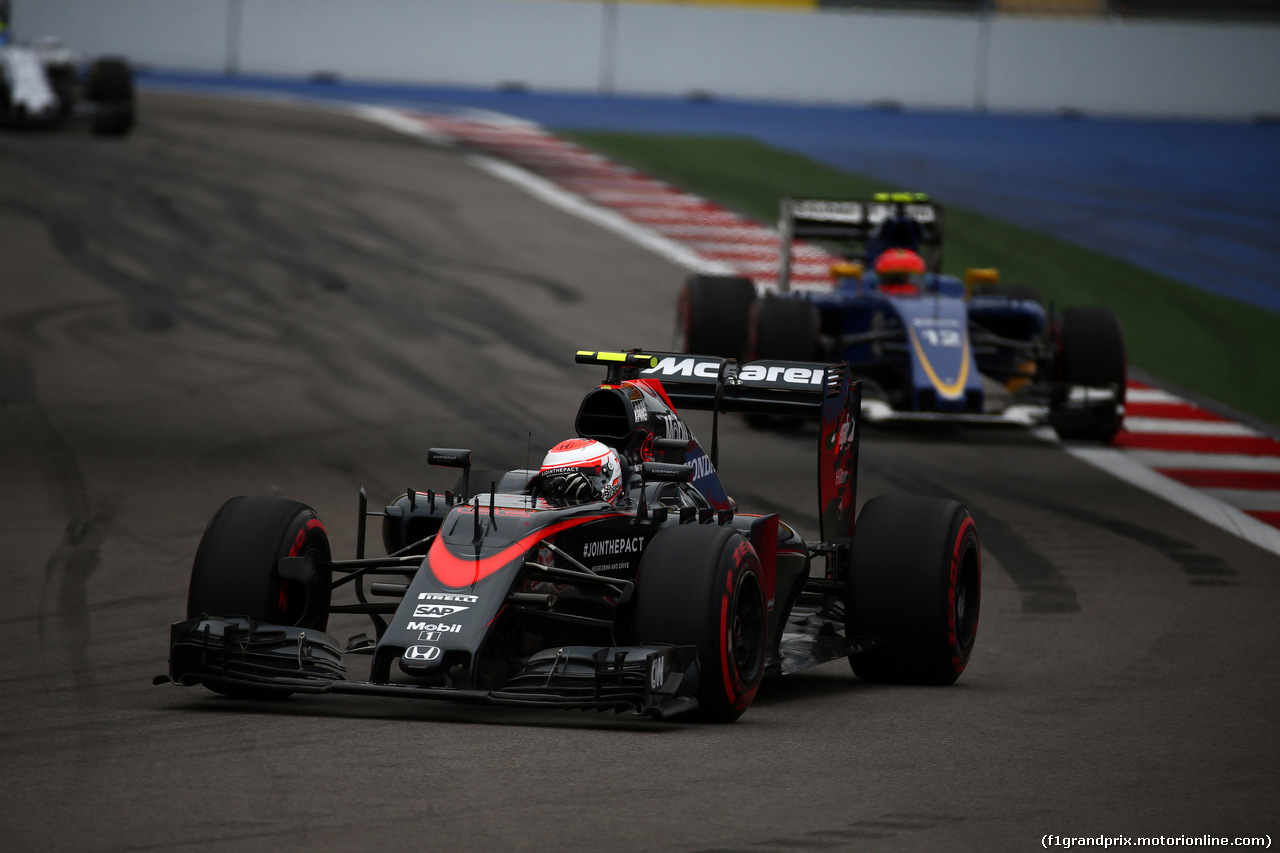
782 388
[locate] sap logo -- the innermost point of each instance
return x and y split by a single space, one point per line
422 654
435 626
448 596
672 366
783 374
435 611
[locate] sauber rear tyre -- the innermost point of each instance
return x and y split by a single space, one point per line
1091 356
784 328
236 570
712 315
915 587
702 585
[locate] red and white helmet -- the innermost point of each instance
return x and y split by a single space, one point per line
598 462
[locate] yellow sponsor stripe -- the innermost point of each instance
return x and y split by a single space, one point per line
955 389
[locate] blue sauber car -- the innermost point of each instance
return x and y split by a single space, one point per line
927 345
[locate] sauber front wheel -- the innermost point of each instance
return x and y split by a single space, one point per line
702 585
915 589
1090 363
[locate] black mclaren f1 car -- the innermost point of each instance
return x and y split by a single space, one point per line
657 598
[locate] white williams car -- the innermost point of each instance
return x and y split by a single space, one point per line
48 84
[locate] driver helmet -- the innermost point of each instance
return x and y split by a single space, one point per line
900 271
598 462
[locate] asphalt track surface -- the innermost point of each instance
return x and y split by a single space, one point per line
246 298
1198 201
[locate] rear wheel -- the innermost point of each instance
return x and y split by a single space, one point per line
701 585
785 329
236 571
1090 359
713 313
109 85
915 587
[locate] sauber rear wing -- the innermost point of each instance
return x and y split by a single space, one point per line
849 222
779 388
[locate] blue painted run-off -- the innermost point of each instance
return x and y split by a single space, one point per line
1196 201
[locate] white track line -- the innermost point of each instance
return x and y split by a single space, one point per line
1118 463
1206 461
548 192
1173 426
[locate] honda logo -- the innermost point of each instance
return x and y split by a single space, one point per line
422 654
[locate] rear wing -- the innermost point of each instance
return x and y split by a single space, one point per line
850 223
780 388
784 389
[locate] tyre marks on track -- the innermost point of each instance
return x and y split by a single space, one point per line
881 827
1041 586
1234 468
77 555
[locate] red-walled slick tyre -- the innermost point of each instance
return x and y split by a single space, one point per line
701 585
915 587
236 570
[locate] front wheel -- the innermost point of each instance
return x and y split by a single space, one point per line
702 586
914 588
236 571
109 86
1088 402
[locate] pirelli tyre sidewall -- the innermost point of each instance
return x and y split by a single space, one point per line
712 315
236 567
702 585
915 587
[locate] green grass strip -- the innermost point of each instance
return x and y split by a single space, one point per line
1213 346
